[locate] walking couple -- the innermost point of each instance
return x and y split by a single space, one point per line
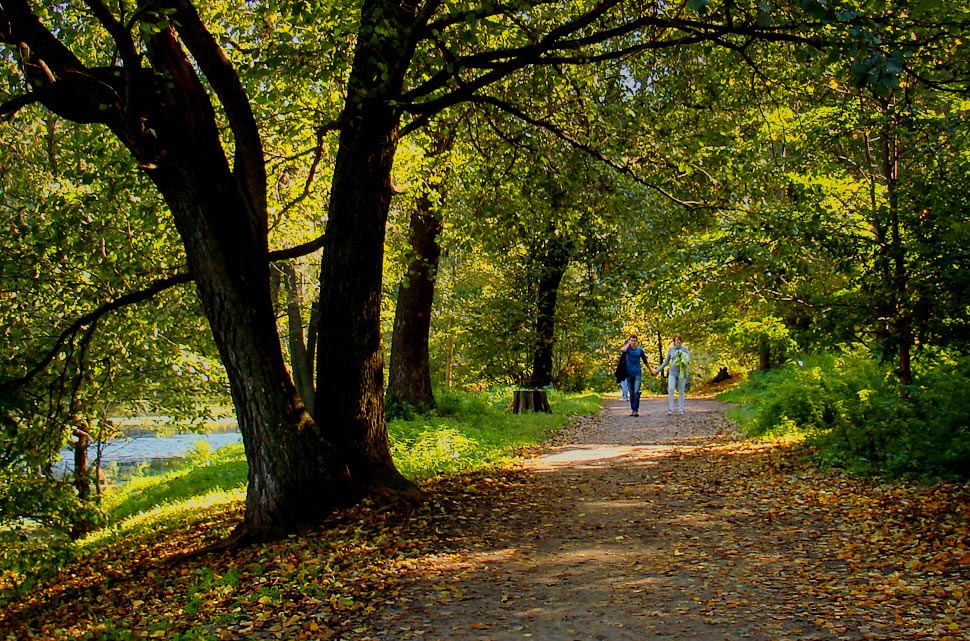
677 359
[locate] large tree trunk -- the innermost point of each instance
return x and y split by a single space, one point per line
295 475
409 374
350 359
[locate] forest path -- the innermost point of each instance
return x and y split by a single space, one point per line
631 528
621 528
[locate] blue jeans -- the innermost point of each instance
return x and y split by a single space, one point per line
678 384
633 385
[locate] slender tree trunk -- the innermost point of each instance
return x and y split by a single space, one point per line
409 374
553 261
897 273
764 354
82 471
301 359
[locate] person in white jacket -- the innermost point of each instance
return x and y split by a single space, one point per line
677 359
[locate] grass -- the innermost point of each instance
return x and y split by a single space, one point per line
475 431
470 431
853 414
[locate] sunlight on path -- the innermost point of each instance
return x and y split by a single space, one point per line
631 529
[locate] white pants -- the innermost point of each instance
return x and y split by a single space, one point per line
675 384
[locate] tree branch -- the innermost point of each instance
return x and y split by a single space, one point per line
552 49
119 33
566 137
249 165
134 298
92 317
10 108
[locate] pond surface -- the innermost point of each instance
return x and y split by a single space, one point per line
157 452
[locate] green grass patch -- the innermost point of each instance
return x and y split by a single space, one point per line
468 431
475 430
204 472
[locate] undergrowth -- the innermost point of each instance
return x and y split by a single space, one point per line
854 414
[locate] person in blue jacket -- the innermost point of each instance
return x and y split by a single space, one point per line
677 358
634 373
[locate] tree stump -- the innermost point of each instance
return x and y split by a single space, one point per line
529 400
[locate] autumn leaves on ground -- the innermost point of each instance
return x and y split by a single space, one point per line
621 528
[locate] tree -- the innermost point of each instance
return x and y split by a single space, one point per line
162 113
409 374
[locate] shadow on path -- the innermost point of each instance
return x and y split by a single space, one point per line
625 528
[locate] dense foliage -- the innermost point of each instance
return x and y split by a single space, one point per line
852 410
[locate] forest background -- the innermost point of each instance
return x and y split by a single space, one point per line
242 204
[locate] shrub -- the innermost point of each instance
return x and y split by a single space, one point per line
855 414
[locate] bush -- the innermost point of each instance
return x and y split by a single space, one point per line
856 416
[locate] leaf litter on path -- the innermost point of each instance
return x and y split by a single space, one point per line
649 527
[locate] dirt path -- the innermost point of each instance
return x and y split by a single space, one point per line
623 528
623 531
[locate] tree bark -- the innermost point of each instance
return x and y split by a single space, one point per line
82 471
764 354
295 475
409 373
350 360
553 261
301 359
528 400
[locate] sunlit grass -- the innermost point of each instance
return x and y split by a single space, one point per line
478 431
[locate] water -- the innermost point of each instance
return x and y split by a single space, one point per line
155 452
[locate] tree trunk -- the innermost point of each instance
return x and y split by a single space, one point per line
553 260
409 374
764 354
350 360
897 271
295 475
527 400
82 471
301 359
